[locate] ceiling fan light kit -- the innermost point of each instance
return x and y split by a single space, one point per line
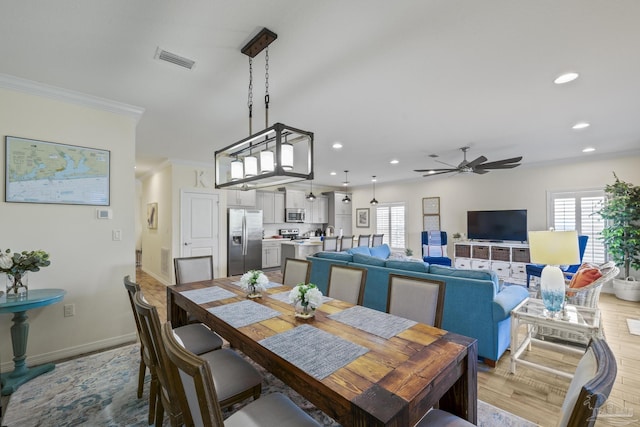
478 166
277 155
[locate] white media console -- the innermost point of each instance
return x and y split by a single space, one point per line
508 260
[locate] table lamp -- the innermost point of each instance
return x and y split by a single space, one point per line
553 248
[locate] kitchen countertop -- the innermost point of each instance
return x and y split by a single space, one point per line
302 243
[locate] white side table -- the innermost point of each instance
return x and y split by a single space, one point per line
580 320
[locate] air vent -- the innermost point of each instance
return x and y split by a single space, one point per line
164 55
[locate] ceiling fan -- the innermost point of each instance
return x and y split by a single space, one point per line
479 165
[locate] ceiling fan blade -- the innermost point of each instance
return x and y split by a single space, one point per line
480 171
499 166
435 170
445 163
500 162
472 164
440 173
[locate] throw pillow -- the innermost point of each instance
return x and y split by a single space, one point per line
363 250
586 274
382 251
368 259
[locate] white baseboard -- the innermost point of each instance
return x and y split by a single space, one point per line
69 352
158 278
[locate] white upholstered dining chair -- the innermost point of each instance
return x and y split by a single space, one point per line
346 283
346 242
193 269
296 271
416 298
330 244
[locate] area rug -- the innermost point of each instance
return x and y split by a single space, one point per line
634 326
100 390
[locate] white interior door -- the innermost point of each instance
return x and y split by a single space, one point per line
199 226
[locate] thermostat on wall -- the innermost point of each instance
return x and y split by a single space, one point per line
104 213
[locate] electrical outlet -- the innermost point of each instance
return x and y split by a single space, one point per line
69 310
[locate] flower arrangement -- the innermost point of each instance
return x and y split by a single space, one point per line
18 264
253 282
307 296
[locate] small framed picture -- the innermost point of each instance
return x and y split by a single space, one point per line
430 222
152 216
362 217
431 206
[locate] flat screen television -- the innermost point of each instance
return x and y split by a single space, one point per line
497 225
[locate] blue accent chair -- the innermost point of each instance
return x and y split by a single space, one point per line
440 260
536 269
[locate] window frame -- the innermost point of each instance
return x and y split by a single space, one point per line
388 230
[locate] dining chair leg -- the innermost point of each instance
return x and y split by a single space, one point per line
153 397
159 411
141 372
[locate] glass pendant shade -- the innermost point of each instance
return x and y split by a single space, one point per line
286 159
311 197
346 198
250 166
374 201
237 170
553 248
266 161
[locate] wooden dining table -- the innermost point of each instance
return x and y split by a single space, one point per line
355 373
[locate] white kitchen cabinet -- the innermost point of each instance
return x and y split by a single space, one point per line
278 207
339 213
294 199
321 210
271 254
241 198
272 206
343 222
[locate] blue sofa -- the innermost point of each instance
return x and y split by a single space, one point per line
474 304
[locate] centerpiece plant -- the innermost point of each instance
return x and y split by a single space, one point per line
306 297
254 282
17 265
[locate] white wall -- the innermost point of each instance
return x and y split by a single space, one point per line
85 261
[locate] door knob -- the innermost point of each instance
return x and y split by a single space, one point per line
187 243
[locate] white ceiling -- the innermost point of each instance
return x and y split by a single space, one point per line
389 79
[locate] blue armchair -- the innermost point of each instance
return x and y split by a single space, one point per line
536 269
438 260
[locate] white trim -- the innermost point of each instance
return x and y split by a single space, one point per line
67 95
66 353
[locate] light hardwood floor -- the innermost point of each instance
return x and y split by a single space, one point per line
532 394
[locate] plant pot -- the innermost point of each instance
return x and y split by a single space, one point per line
627 289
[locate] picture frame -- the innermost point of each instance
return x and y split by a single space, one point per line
54 173
362 217
431 206
152 216
430 222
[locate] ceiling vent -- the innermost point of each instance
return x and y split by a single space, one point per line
163 55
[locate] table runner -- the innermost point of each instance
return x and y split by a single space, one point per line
205 295
243 313
373 321
314 351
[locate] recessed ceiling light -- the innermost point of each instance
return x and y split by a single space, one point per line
581 125
337 145
374 179
588 150
431 172
566 78
394 162
332 173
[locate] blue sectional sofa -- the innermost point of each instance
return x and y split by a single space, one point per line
474 304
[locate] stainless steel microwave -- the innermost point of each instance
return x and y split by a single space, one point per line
294 215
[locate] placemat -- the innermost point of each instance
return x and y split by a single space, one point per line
204 295
314 351
375 322
284 297
243 313
267 286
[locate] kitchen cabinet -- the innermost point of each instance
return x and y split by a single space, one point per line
298 250
339 213
272 206
295 199
271 254
241 198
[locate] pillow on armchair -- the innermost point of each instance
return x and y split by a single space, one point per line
586 274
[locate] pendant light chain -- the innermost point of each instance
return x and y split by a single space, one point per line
266 87
250 96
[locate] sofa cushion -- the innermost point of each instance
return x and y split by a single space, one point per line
421 267
467 274
341 256
368 259
363 250
383 251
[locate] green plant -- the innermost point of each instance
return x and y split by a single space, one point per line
621 234
408 251
18 263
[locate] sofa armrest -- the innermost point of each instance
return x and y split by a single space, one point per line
506 300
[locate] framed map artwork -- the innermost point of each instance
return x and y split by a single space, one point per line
49 172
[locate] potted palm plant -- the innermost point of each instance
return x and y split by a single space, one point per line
621 234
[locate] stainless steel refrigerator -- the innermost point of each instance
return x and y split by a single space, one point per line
244 244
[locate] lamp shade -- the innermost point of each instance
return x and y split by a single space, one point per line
250 166
554 247
266 161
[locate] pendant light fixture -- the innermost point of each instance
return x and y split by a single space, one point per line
346 199
311 197
373 201
265 158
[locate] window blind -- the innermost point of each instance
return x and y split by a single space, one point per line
390 221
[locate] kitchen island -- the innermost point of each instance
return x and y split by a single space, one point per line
299 249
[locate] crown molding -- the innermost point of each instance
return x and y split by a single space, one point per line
66 95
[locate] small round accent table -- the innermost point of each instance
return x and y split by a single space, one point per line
20 334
